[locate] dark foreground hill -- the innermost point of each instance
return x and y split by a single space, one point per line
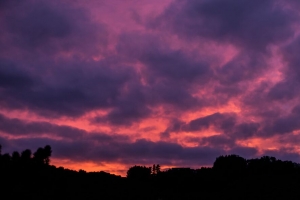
27 176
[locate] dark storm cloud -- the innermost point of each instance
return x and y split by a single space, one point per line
174 94
230 130
40 23
264 103
296 110
161 61
291 57
245 130
250 24
228 90
267 100
281 125
127 114
14 77
32 76
69 88
97 146
130 107
273 123
218 141
17 127
50 27
175 125
103 147
58 60
173 75
246 66
291 138
284 90
66 140
169 74
224 122
174 65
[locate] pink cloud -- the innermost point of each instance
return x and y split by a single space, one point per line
170 82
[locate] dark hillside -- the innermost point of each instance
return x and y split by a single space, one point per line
30 176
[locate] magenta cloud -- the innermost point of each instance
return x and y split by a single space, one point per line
178 85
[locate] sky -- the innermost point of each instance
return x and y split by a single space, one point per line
112 84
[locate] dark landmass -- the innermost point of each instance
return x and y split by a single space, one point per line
30 176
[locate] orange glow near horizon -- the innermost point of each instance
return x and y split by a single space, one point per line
143 81
89 166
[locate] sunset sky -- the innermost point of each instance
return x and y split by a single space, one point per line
111 84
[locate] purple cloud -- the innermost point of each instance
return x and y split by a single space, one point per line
155 80
248 24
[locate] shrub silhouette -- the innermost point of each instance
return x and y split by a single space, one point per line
139 173
230 164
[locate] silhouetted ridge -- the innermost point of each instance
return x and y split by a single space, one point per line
28 175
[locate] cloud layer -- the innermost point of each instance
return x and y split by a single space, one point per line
170 82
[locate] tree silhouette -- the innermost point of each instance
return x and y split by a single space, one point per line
139 172
15 157
231 177
230 163
47 154
41 156
155 169
6 158
26 156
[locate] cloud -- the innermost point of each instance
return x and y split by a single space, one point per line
245 130
70 89
224 122
213 73
243 67
138 152
76 144
17 127
50 28
284 90
282 125
161 61
218 141
14 77
249 24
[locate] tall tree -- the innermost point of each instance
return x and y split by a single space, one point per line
157 168
26 156
42 155
47 154
15 157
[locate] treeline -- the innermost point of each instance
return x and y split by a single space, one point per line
229 165
26 158
30 176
